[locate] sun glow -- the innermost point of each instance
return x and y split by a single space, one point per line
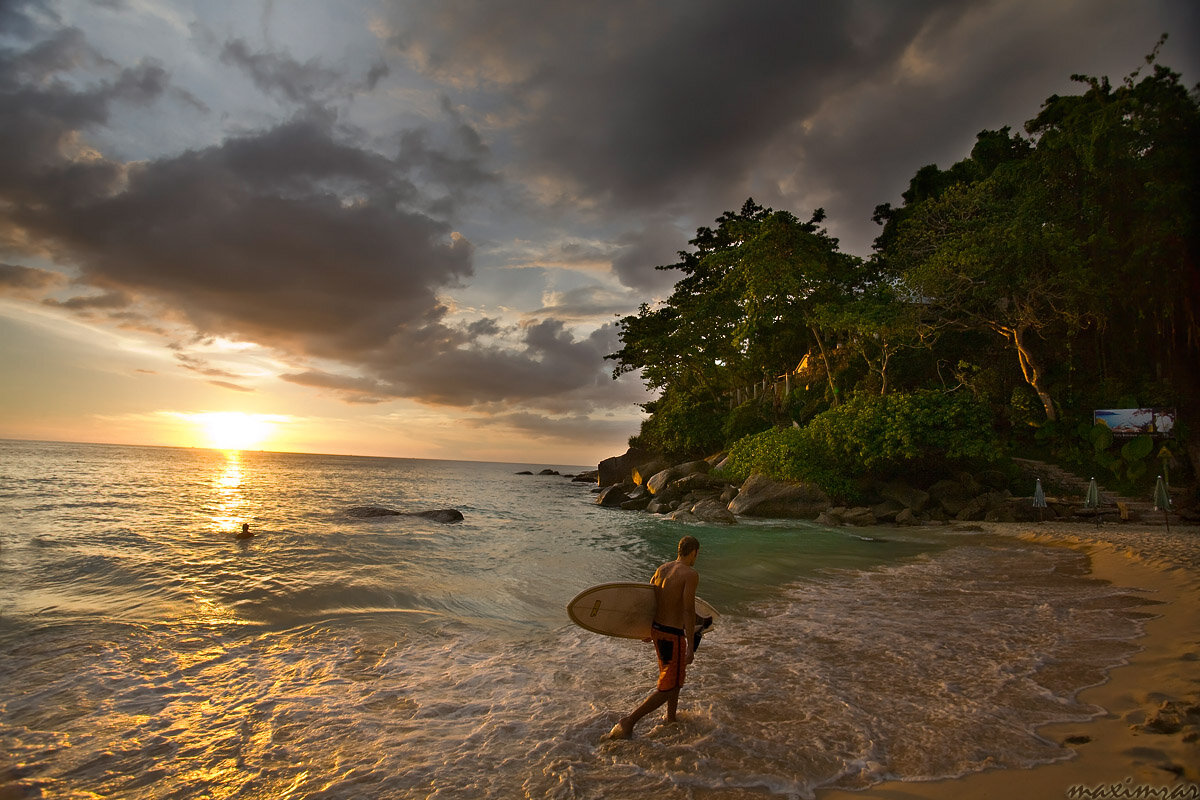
235 430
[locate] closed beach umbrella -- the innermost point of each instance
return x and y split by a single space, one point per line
1093 495
1039 496
1162 500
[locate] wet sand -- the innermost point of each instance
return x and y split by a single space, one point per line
1146 740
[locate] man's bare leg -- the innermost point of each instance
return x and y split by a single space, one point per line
624 727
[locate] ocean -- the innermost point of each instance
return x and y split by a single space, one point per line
148 653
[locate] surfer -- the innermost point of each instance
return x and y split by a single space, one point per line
672 631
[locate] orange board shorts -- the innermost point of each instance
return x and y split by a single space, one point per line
671 646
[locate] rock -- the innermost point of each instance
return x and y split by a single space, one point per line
437 515
859 517
887 510
637 503
586 477
697 482
953 503
905 495
907 517
612 497
440 515
761 496
643 472
659 480
684 515
973 510
618 468
523 472
1002 514
659 506
548 471
371 511
993 479
712 510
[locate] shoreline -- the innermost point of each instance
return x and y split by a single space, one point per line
1146 740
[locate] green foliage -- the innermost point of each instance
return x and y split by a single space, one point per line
1047 274
744 306
870 437
682 424
747 419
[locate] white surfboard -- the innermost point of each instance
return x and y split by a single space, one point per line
625 610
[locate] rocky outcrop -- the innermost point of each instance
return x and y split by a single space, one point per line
440 515
660 480
611 497
642 473
618 469
761 496
437 515
695 492
709 510
371 511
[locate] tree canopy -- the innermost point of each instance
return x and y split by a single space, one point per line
1052 269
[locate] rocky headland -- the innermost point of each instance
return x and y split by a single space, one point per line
695 491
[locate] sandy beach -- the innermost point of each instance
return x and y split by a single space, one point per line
1145 741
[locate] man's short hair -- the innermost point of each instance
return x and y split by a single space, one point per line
688 544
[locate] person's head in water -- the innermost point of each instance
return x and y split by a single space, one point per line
688 545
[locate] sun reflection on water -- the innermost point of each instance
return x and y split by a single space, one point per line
229 495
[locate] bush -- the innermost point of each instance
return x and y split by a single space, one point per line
870 437
746 420
681 425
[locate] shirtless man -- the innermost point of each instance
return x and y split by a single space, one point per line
672 632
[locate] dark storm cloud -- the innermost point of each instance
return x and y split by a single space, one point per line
690 107
651 100
549 363
306 83
655 245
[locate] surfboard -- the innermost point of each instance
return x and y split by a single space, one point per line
626 610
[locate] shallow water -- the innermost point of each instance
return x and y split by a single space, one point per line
150 654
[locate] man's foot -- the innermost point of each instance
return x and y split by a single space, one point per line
622 730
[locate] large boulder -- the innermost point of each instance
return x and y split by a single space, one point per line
711 510
905 495
367 512
761 496
437 515
642 472
618 468
612 497
446 515
661 479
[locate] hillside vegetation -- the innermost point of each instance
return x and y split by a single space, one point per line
1049 273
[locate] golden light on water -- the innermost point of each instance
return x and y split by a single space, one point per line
232 506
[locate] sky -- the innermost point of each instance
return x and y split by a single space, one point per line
410 228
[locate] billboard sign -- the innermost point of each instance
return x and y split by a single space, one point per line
1158 422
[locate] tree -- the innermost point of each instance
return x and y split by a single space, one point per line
746 304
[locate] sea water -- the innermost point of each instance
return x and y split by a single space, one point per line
145 652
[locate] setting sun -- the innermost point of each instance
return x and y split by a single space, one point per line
235 430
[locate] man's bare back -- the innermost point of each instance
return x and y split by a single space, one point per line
676 581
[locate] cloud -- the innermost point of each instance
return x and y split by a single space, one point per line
684 109
24 281
303 237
